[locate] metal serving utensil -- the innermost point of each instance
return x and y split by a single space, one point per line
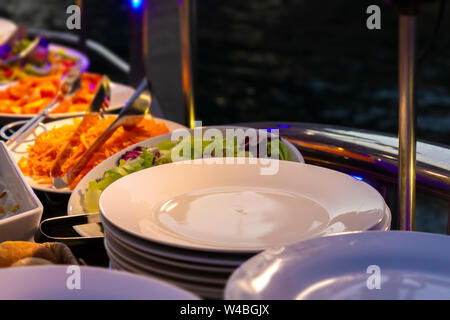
53 228
133 112
70 83
96 109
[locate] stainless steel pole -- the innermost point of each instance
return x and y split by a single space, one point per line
406 123
187 17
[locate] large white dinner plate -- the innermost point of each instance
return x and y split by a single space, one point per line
50 283
234 208
19 150
120 93
408 265
75 205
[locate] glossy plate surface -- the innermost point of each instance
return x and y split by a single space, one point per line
27 283
410 265
234 208
214 259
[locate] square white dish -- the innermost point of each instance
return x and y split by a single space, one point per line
22 225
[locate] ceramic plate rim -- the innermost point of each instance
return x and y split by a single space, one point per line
117 243
191 247
62 116
269 255
101 271
84 62
218 281
177 256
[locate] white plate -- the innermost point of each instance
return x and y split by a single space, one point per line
204 291
75 205
233 208
164 270
83 61
411 265
7 28
24 223
143 257
385 224
199 257
120 94
27 283
20 150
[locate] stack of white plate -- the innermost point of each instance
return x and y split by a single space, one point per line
193 224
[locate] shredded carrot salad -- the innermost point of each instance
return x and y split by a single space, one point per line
48 145
32 94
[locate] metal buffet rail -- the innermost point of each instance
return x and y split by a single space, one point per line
370 155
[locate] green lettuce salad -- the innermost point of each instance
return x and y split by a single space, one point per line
142 158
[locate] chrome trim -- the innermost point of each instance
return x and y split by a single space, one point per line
95 46
362 151
406 121
187 20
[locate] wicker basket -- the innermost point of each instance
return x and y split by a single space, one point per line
19 253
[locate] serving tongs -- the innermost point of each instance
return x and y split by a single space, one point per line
70 83
96 109
60 229
132 113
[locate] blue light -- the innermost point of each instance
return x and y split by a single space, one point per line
358 178
283 126
136 3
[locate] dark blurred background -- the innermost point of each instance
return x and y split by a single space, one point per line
287 60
